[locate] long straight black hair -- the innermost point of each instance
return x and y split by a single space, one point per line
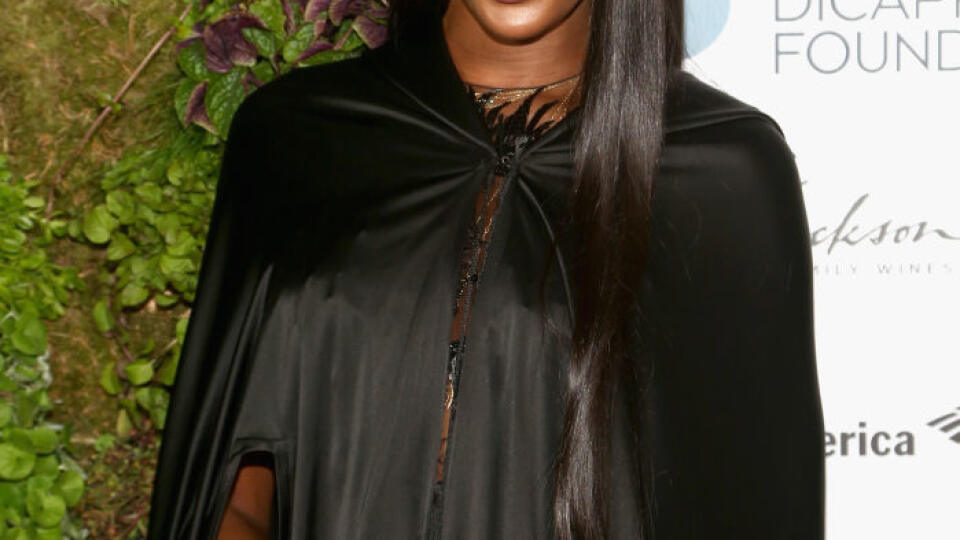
634 48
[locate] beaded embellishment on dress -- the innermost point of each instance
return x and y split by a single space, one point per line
506 112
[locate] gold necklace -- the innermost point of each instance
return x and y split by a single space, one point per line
499 95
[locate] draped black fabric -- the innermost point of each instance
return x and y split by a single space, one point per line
321 325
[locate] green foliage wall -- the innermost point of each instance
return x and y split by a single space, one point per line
38 478
146 218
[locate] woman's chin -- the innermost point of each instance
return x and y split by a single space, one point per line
507 24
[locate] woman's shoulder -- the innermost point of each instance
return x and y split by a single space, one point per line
729 177
692 103
712 132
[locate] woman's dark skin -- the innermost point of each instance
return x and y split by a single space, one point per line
495 44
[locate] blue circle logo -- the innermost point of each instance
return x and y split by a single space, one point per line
704 21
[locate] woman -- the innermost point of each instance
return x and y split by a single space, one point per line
511 275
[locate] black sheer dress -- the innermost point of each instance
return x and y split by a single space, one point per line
514 118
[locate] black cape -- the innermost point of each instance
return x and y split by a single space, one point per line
321 322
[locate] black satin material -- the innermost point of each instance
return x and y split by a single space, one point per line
320 326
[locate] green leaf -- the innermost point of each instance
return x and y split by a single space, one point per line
98 224
6 414
352 42
45 440
101 316
168 225
122 205
124 426
149 193
184 245
109 380
223 98
171 266
20 437
53 533
168 371
181 97
181 328
133 294
70 485
27 405
15 463
271 13
120 246
328 56
147 347
155 400
48 465
17 533
29 335
298 42
263 70
166 300
263 40
192 61
139 372
34 202
46 508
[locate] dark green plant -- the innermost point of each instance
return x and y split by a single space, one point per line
39 479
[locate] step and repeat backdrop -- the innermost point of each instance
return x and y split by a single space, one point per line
868 95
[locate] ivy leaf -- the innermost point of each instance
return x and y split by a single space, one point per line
155 401
70 486
184 245
172 266
151 194
120 246
139 372
168 371
48 466
102 317
223 98
15 463
122 205
27 405
133 294
20 438
46 508
109 380
29 335
168 225
98 224
44 440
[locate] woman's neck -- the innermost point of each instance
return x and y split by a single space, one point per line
483 59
